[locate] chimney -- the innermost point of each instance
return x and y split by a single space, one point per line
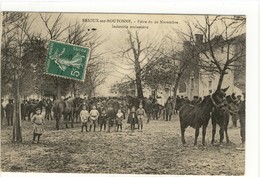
198 38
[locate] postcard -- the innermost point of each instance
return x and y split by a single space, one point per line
124 93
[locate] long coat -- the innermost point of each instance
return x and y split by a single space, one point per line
132 120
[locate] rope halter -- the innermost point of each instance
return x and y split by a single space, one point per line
214 103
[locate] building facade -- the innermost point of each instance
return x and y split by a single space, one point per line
200 83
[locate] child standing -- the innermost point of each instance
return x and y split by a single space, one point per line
119 119
132 119
94 114
84 116
38 122
103 119
140 114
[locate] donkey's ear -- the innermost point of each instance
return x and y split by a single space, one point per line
225 89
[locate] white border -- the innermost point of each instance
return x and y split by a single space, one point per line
249 8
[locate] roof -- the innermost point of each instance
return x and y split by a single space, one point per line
219 41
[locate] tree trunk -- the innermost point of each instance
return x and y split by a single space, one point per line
139 87
58 91
17 130
175 90
220 81
138 80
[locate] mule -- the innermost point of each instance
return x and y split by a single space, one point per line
66 109
133 101
220 116
199 115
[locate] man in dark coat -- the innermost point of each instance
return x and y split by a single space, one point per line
9 109
48 107
132 118
186 100
195 100
2 111
23 109
242 116
169 109
155 110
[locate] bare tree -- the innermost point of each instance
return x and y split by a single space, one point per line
96 72
55 28
220 35
79 34
16 27
138 53
169 68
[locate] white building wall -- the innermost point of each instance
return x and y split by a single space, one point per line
205 87
204 82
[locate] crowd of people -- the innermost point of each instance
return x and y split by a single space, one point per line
95 112
104 119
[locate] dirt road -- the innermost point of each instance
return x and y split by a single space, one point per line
156 150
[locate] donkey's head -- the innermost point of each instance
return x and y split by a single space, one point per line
219 96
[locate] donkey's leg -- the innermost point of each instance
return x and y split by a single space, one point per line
66 119
182 135
57 118
72 119
214 125
221 133
226 132
197 129
204 128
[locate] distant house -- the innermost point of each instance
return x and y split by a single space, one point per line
196 81
201 83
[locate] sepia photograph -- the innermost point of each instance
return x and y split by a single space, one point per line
123 93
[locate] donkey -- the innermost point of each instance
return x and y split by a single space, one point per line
220 115
199 115
65 108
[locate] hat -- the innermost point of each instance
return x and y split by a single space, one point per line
37 109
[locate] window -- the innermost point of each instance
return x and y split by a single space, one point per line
222 49
210 84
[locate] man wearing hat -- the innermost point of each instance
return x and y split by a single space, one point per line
140 115
195 100
9 109
242 114
2 110
235 115
169 109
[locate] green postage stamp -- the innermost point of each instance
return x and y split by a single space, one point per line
67 60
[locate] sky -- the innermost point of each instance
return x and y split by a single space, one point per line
113 30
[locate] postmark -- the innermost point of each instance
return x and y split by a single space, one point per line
67 60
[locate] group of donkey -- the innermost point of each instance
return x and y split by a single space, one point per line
213 106
69 109
217 107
